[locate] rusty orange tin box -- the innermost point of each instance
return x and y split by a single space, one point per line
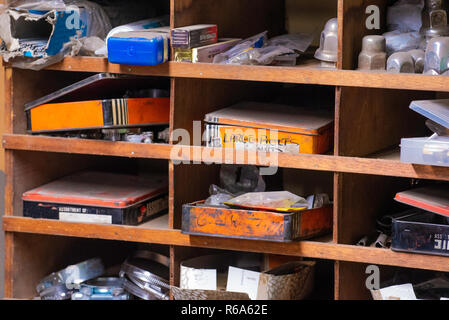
198 219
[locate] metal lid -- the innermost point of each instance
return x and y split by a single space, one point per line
100 87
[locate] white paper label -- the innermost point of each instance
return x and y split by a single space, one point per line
199 279
84 218
402 292
243 281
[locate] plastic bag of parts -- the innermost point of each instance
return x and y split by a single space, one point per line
239 54
218 196
299 42
275 201
402 42
241 179
37 34
405 16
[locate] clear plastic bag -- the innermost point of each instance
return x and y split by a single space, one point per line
405 16
402 42
218 196
299 42
241 53
275 201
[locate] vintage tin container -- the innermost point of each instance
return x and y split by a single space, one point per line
434 198
198 219
99 197
270 128
100 102
421 232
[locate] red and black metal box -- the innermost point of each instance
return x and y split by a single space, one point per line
99 197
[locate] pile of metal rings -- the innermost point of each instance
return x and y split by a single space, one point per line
146 275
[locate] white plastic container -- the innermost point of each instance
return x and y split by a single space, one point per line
427 151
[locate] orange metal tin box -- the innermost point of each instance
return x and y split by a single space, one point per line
270 128
198 219
103 101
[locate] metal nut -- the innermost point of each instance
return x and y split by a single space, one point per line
401 62
373 55
437 56
328 50
418 57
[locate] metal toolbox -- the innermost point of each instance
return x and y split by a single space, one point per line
198 219
421 232
99 197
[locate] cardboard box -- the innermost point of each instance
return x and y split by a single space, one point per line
239 277
38 34
194 36
204 54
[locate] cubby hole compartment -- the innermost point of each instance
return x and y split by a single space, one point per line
275 16
39 256
362 199
33 169
191 105
27 86
355 278
323 287
372 122
199 177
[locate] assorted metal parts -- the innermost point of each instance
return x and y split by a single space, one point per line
327 53
60 285
102 289
401 62
373 55
146 275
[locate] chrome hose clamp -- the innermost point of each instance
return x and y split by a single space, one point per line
143 283
71 277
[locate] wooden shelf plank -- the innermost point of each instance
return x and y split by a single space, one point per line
308 73
384 164
85 146
320 249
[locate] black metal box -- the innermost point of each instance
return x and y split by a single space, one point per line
421 232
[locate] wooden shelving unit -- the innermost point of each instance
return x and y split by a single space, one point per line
371 116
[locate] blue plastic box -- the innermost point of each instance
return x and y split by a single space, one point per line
148 47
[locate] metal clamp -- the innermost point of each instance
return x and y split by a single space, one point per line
72 276
143 283
102 289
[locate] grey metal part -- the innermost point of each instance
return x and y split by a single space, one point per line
328 50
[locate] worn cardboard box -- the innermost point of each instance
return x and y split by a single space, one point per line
38 34
238 277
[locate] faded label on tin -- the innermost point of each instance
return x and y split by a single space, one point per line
85 218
